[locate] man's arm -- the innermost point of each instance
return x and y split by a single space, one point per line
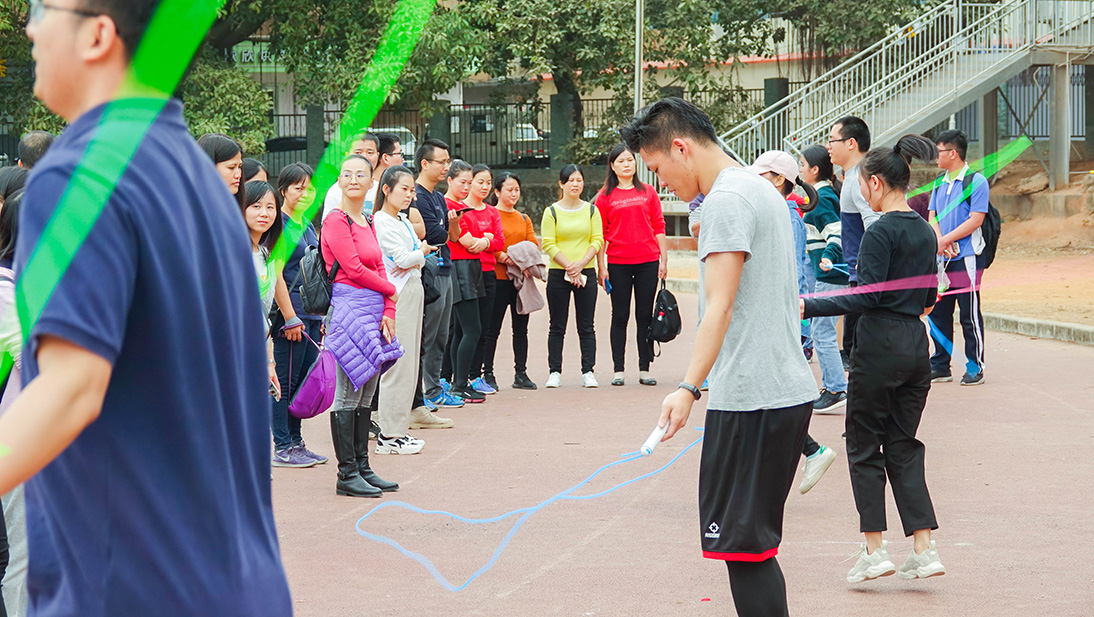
723 275
65 397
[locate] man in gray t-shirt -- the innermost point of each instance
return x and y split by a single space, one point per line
760 365
761 389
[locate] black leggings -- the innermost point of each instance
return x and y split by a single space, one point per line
759 589
486 315
506 301
642 279
559 290
465 338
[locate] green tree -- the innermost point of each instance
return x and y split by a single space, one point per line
219 98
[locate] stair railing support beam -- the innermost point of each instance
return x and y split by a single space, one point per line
1059 133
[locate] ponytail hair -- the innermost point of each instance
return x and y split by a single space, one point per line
810 194
817 156
894 165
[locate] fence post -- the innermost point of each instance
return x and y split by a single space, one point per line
776 89
313 127
562 127
439 126
988 120
1089 88
1059 132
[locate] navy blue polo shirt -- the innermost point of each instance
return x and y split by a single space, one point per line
162 505
434 210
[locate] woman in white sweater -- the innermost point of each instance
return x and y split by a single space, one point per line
404 255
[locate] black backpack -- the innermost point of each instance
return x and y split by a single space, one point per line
990 228
666 324
316 284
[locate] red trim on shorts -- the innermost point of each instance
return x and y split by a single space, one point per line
753 557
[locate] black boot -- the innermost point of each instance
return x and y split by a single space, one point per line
343 433
521 382
360 445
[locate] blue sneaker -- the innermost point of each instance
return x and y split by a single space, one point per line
446 400
445 386
481 385
429 406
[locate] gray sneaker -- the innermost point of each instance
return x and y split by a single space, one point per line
292 457
869 567
922 565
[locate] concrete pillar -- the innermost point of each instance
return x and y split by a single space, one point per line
777 89
1089 109
562 127
1059 132
313 125
440 127
988 120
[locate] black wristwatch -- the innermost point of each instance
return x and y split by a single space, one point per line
690 388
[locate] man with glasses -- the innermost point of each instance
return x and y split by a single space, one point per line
389 154
366 145
142 430
848 143
959 203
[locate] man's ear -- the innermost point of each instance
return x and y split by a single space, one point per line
101 38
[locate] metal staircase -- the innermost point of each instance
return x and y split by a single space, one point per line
913 79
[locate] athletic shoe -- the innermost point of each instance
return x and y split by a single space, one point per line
291 457
829 402
420 417
446 400
399 445
588 380
468 394
617 379
869 567
705 386
645 379
941 377
481 385
968 379
445 386
815 466
429 406
318 458
846 359
491 381
808 354
922 565
554 380
373 430
521 382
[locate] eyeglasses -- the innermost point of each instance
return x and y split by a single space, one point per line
350 176
399 154
836 141
38 10
444 162
941 150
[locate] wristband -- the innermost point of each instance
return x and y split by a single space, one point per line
690 388
295 322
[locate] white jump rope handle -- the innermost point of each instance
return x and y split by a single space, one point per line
653 440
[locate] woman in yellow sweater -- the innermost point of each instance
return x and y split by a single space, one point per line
572 235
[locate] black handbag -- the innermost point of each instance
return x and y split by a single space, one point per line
666 324
430 272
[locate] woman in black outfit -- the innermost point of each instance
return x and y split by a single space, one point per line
890 366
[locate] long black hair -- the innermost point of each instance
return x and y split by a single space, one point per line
817 156
251 167
254 191
390 178
12 179
9 226
894 165
499 181
612 181
457 167
564 177
221 148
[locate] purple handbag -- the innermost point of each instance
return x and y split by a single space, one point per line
316 393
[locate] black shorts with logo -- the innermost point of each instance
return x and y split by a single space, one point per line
745 474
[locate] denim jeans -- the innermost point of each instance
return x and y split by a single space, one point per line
826 347
293 361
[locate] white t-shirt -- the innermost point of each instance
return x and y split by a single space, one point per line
761 364
334 198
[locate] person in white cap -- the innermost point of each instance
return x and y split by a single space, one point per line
781 169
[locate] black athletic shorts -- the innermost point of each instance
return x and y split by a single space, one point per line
745 475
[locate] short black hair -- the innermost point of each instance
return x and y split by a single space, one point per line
426 150
292 174
251 167
385 143
33 146
852 127
459 166
956 139
654 128
131 18
366 136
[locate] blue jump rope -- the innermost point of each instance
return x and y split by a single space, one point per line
525 513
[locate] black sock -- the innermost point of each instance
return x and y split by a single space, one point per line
759 589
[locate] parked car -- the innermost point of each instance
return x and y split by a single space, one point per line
527 144
406 140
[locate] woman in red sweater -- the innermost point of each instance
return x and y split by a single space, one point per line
349 239
634 257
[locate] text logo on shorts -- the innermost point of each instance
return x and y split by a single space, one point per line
713 530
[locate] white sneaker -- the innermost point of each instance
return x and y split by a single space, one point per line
922 565
815 466
422 417
589 380
554 380
399 445
869 567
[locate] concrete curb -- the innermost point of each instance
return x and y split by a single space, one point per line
1037 328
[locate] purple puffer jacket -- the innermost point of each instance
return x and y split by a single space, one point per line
354 337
